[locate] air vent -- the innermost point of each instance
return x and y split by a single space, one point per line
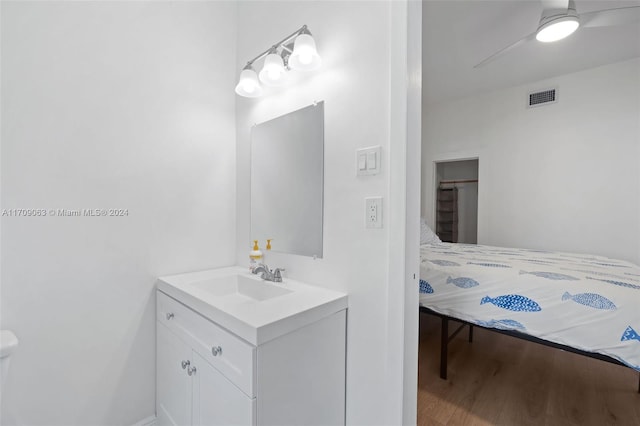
543 97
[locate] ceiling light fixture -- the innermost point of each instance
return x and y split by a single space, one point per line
558 24
296 51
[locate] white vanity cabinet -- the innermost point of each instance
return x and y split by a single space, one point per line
190 391
207 375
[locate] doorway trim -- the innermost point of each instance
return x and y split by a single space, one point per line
412 212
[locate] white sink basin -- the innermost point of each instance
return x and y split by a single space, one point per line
253 309
239 286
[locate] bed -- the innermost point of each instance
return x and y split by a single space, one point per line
581 303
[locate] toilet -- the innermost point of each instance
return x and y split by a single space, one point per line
8 343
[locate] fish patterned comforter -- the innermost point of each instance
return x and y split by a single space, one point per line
587 302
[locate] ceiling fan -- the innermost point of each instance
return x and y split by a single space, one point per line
560 19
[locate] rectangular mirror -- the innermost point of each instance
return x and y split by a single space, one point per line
287 178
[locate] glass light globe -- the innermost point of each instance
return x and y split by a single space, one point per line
273 72
248 85
305 56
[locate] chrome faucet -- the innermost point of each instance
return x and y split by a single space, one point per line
268 274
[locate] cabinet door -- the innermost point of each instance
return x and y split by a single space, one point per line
217 401
173 385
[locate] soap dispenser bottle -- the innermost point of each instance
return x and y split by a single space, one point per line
255 256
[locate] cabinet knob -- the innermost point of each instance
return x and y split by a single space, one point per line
216 350
169 316
185 364
191 371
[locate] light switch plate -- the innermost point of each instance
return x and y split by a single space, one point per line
368 161
362 162
373 212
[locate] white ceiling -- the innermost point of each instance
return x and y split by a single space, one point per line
458 34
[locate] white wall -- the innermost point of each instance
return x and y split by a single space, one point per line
354 39
560 177
108 105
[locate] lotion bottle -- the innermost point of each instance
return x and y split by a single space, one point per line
255 256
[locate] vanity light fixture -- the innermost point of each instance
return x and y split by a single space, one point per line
249 86
273 72
295 52
305 56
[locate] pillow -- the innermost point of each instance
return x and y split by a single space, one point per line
426 234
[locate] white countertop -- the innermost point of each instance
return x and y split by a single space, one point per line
256 322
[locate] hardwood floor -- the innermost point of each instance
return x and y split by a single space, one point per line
500 380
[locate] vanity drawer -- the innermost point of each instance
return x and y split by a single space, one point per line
233 357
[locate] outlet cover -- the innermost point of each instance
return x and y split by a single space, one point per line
373 212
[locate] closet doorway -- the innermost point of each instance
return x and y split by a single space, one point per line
457 201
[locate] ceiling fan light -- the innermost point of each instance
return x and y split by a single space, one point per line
557 29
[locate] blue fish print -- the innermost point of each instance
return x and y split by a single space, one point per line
463 282
444 262
630 334
489 265
513 302
609 264
550 275
592 300
544 262
425 287
482 260
586 271
619 283
504 324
